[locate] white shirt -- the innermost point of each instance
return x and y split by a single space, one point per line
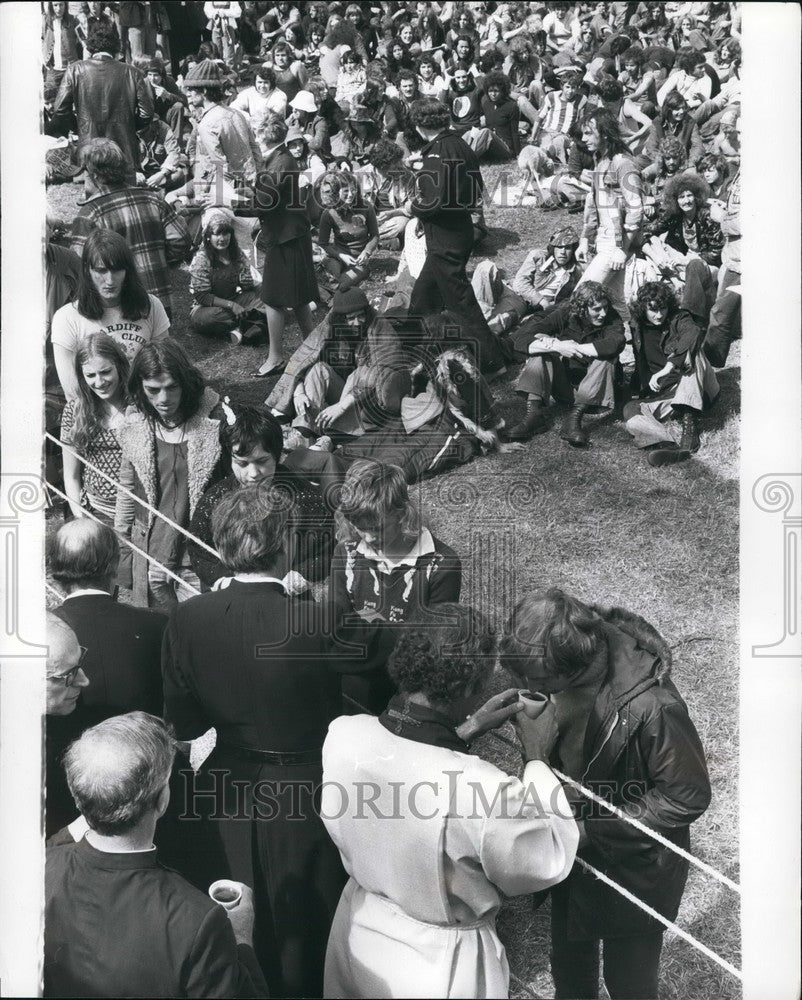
58 62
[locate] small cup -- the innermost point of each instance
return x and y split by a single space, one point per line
226 893
534 703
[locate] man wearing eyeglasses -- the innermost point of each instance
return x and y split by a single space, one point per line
65 681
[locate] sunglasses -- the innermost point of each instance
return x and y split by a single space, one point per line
69 675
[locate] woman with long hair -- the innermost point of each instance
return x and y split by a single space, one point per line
224 299
350 225
111 299
675 119
170 455
88 426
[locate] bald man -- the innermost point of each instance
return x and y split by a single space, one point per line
123 643
122 662
65 681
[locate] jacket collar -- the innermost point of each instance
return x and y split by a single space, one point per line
203 450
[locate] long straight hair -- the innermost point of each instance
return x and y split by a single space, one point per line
166 357
106 249
87 406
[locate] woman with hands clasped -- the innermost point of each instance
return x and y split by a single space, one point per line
457 832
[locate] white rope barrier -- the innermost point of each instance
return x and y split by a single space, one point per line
701 865
661 919
54 590
130 544
133 496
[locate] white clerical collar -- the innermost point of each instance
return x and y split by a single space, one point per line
257 578
424 546
87 592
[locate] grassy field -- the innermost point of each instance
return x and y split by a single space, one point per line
606 526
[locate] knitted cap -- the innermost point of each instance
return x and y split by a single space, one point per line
349 301
206 73
567 236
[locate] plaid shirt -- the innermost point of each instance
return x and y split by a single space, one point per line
151 227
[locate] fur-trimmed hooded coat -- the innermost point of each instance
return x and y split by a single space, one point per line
138 472
643 754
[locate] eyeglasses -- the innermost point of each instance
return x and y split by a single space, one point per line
69 675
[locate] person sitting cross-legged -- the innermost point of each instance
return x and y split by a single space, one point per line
574 351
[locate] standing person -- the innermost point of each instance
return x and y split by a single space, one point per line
223 18
225 148
387 567
112 300
157 237
625 732
60 46
613 207
117 923
101 97
271 713
64 683
449 188
289 279
136 29
88 426
171 453
417 917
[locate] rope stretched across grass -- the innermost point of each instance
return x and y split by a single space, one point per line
698 863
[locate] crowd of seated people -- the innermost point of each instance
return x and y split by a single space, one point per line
278 152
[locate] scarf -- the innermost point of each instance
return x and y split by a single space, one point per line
421 724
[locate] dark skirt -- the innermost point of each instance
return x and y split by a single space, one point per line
289 274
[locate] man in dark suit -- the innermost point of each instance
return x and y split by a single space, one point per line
117 923
449 188
256 663
123 643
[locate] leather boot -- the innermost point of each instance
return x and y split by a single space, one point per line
667 454
690 432
534 422
572 430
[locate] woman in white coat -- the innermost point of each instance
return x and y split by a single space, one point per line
431 835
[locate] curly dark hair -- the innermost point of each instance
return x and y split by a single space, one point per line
588 293
103 37
253 426
688 61
386 153
713 161
609 89
687 181
657 294
635 54
450 657
500 80
430 113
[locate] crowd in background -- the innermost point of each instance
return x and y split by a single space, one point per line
277 150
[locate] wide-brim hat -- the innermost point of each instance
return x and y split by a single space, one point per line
206 73
304 100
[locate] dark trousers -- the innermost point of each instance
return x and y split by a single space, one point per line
630 963
724 325
443 285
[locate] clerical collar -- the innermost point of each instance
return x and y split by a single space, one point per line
411 721
86 592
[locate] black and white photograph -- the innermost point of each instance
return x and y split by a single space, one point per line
401 500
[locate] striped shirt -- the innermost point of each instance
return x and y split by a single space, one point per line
557 114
